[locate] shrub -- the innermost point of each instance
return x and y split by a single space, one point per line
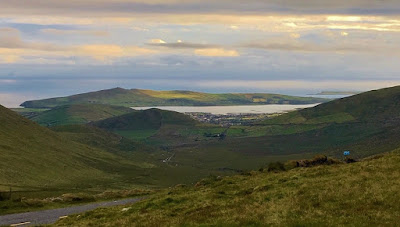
5 195
122 194
349 160
316 161
276 167
77 197
33 202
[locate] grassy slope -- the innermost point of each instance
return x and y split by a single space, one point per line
358 194
34 157
137 97
147 121
375 106
365 124
361 122
331 128
78 114
146 169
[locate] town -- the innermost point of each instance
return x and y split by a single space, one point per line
230 119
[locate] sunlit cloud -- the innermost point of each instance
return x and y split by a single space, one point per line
157 41
13 48
216 52
294 41
75 32
180 44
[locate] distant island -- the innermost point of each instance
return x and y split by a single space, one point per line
142 98
338 93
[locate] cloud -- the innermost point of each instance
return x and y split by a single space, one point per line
141 29
8 59
13 48
216 52
180 44
75 32
206 50
10 39
304 47
107 51
295 35
156 41
329 42
127 7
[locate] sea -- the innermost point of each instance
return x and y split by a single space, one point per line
224 110
243 109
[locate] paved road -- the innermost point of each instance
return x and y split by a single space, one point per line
51 216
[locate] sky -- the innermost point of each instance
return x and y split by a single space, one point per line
55 48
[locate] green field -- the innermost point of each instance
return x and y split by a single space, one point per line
137 97
357 194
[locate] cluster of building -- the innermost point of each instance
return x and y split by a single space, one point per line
228 119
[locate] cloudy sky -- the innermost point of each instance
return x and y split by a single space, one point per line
53 48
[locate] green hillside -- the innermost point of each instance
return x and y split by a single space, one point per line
373 106
78 114
357 194
365 124
73 157
33 156
137 97
142 124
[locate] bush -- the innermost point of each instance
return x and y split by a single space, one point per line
5 196
33 202
316 161
122 194
276 167
349 160
80 197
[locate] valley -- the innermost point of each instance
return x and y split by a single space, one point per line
190 113
98 147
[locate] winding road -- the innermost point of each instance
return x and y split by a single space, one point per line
51 216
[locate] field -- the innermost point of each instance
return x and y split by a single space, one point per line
356 194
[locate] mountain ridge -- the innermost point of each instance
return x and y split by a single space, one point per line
141 97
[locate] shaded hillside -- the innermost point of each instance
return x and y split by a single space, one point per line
144 123
99 138
357 194
78 114
146 119
137 97
35 157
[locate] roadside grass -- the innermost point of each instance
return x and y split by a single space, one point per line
358 194
27 201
